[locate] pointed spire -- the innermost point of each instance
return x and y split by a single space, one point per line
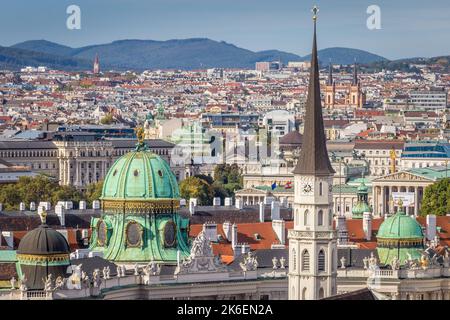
330 74
355 74
314 158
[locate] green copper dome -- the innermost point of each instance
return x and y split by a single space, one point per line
399 236
359 209
362 204
140 175
140 202
400 226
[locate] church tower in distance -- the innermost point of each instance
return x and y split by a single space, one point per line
312 241
96 69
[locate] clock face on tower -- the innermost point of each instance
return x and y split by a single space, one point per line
307 188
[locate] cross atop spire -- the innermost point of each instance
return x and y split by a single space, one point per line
313 155
315 11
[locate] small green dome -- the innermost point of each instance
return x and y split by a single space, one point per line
362 188
359 209
400 226
140 175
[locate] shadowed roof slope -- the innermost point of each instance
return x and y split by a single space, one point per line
314 156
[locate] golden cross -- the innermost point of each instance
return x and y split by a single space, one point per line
315 11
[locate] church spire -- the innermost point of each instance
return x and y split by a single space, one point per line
355 74
313 155
330 74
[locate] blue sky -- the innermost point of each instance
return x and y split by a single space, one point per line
409 28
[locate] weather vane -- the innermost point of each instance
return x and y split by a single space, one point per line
315 11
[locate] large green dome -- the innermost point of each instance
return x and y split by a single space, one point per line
140 175
399 236
140 221
400 226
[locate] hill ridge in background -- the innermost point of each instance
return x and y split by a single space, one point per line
186 54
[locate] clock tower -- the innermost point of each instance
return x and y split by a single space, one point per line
312 241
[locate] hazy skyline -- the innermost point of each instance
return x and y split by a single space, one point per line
409 28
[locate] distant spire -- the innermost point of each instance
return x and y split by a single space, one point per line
313 155
355 74
96 65
330 74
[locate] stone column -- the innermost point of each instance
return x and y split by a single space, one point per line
374 200
383 201
416 201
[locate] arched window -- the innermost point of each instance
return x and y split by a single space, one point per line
305 260
320 218
321 260
306 218
304 293
320 189
321 293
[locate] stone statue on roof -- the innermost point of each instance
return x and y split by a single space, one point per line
282 262
13 283
250 263
275 263
395 264
48 283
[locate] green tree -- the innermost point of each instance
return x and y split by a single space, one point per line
94 191
67 193
436 199
229 177
193 187
107 119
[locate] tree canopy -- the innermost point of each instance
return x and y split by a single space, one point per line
194 187
43 188
436 198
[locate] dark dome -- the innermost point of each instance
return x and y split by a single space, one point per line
43 241
293 138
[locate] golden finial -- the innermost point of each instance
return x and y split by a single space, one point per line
393 157
400 203
315 11
43 216
140 134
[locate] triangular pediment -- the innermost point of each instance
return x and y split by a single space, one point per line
402 176
252 191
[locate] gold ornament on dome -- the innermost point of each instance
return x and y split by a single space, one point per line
43 258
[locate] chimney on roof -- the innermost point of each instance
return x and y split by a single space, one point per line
60 211
216 201
367 225
261 211
239 203
182 202
226 226
275 210
431 227
279 227
228 202
82 205
96 204
22 206
210 229
192 205
1 207
245 248
341 227
234 238
32 206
